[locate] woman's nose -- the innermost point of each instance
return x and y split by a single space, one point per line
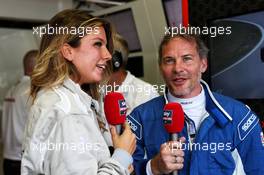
106 54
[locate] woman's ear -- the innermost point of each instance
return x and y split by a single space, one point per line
67 52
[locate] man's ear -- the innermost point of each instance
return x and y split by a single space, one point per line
67 52
204 65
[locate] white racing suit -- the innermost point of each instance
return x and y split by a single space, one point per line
63 137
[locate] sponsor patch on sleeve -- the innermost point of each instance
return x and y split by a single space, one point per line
10 99
247 124
135 126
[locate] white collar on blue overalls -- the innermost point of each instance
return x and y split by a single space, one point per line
207 90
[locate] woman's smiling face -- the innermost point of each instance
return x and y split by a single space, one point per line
90 58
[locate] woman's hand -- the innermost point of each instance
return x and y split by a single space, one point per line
125 141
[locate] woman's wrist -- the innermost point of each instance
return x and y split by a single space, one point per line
123 157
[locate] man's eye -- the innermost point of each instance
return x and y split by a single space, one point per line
187 58
169 61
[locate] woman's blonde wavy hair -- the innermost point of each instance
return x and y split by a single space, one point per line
51 67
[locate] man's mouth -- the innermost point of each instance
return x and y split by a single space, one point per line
179 81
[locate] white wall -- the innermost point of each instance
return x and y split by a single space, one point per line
14 44
150 23
32 9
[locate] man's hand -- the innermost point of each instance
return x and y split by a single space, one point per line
169 159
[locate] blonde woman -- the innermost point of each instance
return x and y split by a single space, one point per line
64 131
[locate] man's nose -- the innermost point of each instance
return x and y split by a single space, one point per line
178 66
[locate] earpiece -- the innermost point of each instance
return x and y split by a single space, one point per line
117 60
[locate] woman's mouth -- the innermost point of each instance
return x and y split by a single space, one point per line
101 66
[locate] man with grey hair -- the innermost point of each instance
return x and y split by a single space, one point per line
15 112
220 136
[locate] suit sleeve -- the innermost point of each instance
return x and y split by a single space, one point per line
250 145
139 157
85 159
71 146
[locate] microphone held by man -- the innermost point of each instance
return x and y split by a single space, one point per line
171 156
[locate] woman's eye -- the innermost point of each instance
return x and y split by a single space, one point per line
98 44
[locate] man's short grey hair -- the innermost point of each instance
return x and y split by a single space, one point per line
200 46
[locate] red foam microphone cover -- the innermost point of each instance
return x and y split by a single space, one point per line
115 108
173 117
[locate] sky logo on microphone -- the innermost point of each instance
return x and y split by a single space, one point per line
122 107
167 116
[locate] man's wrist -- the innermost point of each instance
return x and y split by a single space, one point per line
148 168
154 164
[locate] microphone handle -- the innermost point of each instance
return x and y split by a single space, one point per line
174 137
118 129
